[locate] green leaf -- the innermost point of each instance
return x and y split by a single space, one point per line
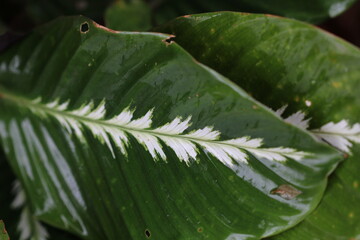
16 213
3 233
125 136
306 10
285 62
128 16
337 217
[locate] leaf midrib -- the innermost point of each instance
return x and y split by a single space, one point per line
333 133
21 101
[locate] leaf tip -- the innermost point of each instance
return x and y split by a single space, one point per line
169 40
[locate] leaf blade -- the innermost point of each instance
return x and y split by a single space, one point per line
96 193
312 72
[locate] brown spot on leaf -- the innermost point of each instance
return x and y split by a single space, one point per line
286 191
336 84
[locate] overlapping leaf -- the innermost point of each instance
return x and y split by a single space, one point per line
109 152
306 10
284 62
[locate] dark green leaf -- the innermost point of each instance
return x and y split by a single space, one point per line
128 16
285 62
338 216
95 174
306 10
13 216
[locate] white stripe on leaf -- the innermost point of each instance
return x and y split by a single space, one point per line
340 135
281 110
186 146
206 133
28 227
298 119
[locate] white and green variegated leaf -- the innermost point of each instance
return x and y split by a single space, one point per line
29 227
118 135
185 146
16 213
286 62
341 135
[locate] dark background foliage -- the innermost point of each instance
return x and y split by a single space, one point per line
23 15
346 25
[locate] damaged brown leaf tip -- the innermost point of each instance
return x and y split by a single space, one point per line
286 191
168 41
3 232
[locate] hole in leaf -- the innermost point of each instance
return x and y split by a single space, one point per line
84 27
147 233
169 40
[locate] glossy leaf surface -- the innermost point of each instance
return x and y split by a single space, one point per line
306 10
125 136
285 62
